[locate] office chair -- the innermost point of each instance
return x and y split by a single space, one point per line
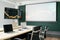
42 34
35 31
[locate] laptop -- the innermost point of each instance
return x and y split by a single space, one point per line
8 28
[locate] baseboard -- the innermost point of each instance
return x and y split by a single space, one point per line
53 33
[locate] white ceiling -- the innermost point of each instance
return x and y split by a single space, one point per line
13 1
17 1
26 1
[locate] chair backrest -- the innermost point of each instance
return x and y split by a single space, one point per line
36 28
36 31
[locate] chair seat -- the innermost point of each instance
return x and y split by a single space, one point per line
41 36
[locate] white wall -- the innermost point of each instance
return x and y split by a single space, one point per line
2 20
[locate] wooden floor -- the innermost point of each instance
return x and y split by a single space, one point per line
52 38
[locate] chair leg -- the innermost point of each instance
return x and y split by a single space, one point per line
27 37
39 37
31 36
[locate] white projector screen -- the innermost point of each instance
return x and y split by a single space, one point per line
41 12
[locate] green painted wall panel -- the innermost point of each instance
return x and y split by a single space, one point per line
51 25
22 12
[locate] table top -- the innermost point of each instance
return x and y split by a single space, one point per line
15 33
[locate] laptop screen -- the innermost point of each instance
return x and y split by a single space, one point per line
8 28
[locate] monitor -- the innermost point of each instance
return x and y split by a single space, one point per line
8 28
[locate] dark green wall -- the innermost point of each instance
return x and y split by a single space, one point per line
22 12
53 26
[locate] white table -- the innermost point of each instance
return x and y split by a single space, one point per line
16 33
